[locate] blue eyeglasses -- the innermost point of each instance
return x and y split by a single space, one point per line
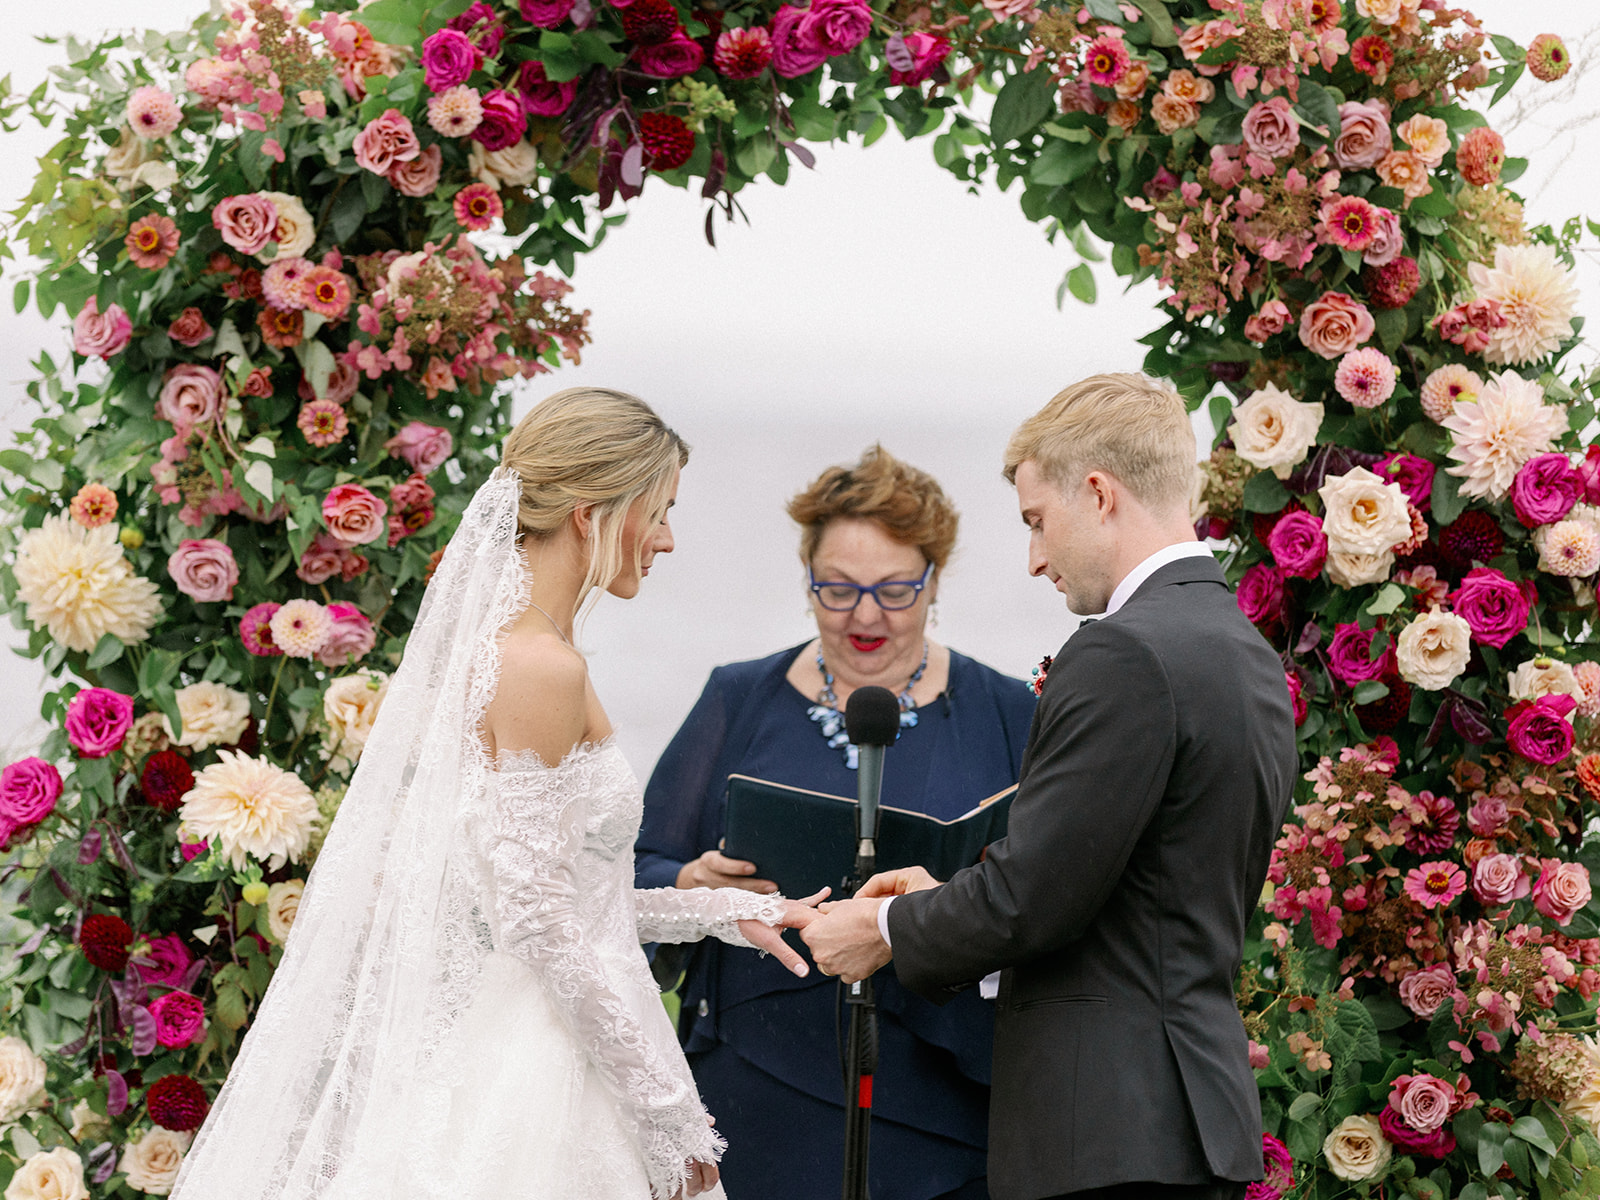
891 595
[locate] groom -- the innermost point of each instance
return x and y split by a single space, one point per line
1156 777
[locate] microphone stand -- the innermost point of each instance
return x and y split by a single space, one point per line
861 1046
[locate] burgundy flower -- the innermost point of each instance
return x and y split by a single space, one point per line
675 55
546 14
1434 831
668 142
176 1102
448 58
1431 1145
1260 594
1413 474
483 27
504 121
1387 713
166 779
104 940
742 53
650 22
1393 284
541 97
1472 537
1544 490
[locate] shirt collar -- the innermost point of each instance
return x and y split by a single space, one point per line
1167 554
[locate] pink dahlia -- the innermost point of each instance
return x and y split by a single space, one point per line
1349 222
455 112
255 630
1365 377
153 113
1106 60
478 206
323 422
151 242
283 284
1433 821
1445 386
742 53
300 627
1435 883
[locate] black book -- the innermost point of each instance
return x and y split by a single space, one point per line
804 840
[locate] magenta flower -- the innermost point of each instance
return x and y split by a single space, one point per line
1407 1140
1365 377
1349 222
255 630
837 26
180 1019
742 53
97 721
504 120
1423 1100
1413 474
448 58
541 97
29 789
1561 890
676 55
1541 730
1298 544
1106 60
546 14
1435 883
1350 655
478 206
167 962
1544 490
1494 608
795 51
1260 593
925 52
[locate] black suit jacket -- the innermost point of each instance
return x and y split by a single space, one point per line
1157 775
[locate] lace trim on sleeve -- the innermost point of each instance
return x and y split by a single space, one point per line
689 914
537 833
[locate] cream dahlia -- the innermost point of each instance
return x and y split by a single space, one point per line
77 584
1586 1104
1537 297
300 627
1570 548
251 808
1506 426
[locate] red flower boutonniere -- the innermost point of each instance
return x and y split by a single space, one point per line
1039 673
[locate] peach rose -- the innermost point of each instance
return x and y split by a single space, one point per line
191 395
354 515
417 176
1134 81
1364 136
1405 170
1171 113
1123 114
1186 85
1428 137
1334 324
190 329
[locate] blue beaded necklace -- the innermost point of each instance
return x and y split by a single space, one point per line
825 712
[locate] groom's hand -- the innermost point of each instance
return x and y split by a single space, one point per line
897 883
844 939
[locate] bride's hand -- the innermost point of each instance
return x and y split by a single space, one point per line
703 1177
796 913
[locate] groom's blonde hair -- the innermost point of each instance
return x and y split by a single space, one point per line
1129 425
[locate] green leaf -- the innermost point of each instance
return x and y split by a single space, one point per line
1062 162
19 295
106 652
1080 282
1265 493
1492 1147
1509 50
1318 106
1531 1131
1390 597
1369 691
1024 101
1356 1021
1304 1105
1513 170
1106 10
231 1008
1159 21
349 210
1447 501
1391 323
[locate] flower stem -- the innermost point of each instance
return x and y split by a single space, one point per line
272 696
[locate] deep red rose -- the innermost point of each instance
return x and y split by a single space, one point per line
504 121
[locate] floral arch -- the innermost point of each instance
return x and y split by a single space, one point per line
287 381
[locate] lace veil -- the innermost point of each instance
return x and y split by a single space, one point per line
345 1053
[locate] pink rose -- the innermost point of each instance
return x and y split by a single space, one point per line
349 638
1334 324
504 121
546 14
1297 698
837 26
424 447
417 176
354 515
167 962
1495 608
98 720
100 335
193 850
247 223
326 557
1270 128
1350 656
1387 240
190 329
541 97
29 789
204 570
1298 544
1497 880
448 57
677 55
794 50
1488 815
1260 594
1561 890
1425 990
1272 319
180 1019
1588 472
387 140
190 396
1364 138
1423 1100
1541 730
1544 490
1413 474
923 52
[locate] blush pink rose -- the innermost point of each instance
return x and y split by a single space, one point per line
180 1019
1562 889
354 515
167 962
190 329
1298 544
417 176
100 335
1335 324
247 223
678 55
1425 990
1497 880
204 570
1387 240
350 636
322 559
1270 128
837 26
1364 137
1424 1101
424 447
385 141
1488 815
191 395
794 50
1272 319
97 721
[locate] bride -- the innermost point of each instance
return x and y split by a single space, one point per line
464 1009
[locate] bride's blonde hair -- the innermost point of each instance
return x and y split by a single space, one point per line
594 446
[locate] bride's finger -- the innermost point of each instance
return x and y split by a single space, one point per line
771 940
815 898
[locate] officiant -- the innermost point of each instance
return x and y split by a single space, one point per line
763 1045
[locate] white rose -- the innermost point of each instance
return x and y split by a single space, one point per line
213 715
128 155
151 1164
49 1175
155 175
1544 677
86 1123
1352 570
1272 429
1357 1149
283 905
350 706
516 165
21 1078
296 231
1362 514
1434 649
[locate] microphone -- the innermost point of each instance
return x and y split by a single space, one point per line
872 721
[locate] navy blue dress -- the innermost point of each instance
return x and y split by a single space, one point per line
763 1044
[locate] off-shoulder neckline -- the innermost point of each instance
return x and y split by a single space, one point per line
512 761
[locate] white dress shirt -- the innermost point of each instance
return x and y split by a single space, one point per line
989 986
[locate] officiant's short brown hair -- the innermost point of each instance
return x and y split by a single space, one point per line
1129 425
906 502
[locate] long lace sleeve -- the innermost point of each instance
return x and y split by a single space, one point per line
689 914
537 835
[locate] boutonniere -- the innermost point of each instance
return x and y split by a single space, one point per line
1039 673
